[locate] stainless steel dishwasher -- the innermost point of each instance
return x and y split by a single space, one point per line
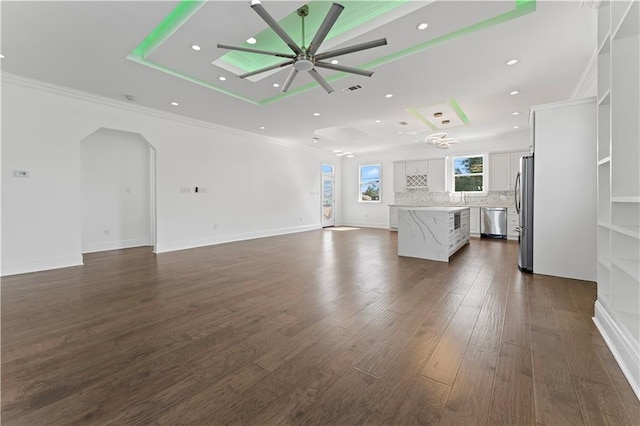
493 222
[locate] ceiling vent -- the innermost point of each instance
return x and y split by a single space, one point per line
352 88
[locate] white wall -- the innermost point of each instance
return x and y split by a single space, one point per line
377 214
254 187
116 197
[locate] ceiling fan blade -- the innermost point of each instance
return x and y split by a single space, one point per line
261 52
260 10
321 81
344 69
351 49
261 70
289 80
325 27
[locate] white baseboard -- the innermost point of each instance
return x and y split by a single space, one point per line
115 245
188 244
383 225
14 268
621 345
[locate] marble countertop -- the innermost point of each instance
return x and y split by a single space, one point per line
434 208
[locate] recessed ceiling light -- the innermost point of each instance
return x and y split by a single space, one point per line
446 121
337 151
315 114
437 114
516 127
335 62
512 62
252 40
400 132
388 95
174 103
378 121
515 113
262 127
350 155
423 26
275 85
514 92
195 47
222 78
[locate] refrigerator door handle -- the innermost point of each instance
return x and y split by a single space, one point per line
516 193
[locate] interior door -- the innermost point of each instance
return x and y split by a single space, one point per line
328 201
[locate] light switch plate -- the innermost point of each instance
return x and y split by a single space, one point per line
21 173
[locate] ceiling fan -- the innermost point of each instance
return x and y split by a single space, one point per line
307 58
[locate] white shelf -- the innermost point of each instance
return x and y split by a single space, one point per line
630 22
604 224
625 199
630 231
605 98
606 263
629 266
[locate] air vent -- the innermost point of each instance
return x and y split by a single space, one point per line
403 123
352 88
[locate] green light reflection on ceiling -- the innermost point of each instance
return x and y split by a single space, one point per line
186 8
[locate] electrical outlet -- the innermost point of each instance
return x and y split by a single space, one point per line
21 173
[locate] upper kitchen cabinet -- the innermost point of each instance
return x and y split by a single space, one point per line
419 174
503 169
437 176
399 177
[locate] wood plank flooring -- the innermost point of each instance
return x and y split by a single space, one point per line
321 327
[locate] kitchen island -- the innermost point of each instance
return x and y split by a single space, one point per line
433 233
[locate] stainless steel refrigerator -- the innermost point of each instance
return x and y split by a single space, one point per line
524 207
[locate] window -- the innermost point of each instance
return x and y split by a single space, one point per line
468 173
369 183
327 169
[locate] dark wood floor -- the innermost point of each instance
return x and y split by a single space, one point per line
323 327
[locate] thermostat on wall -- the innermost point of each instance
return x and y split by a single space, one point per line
21 173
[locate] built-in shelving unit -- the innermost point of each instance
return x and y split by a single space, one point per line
618 165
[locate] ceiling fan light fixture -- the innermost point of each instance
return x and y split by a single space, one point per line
303 65
423 26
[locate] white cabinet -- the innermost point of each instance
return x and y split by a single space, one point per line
419 174
474 221
399 177
503 169
417 168
499 171
513 220
437 175
393 218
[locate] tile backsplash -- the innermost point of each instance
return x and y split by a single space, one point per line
423 197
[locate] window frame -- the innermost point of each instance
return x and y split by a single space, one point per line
360 183
485 180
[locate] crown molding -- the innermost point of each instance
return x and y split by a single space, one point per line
29 83
587 77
